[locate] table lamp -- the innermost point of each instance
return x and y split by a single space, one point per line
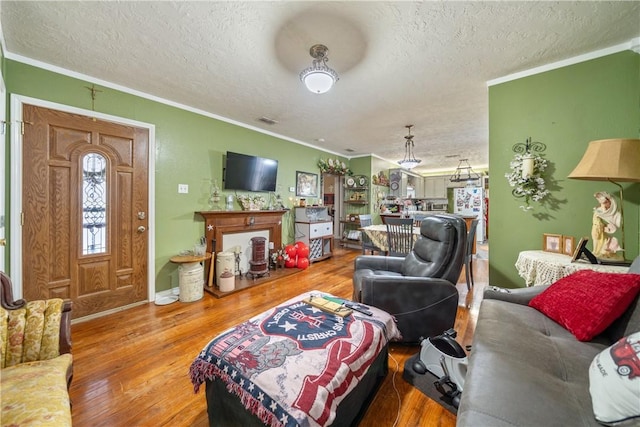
613 160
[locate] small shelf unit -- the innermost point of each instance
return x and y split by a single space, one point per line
314 227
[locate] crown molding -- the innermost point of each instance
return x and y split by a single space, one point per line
633 44
104 83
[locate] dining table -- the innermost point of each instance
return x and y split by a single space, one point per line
378 235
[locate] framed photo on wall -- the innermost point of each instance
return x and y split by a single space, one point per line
568 245
552 243
306 184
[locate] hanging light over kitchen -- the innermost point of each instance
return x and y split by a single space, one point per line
409 161
464 173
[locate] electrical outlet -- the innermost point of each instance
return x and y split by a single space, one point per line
183 188
292 189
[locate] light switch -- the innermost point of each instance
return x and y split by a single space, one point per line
183 188
292 189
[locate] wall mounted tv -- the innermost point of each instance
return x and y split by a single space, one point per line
249 173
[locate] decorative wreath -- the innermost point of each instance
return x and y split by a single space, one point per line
531 188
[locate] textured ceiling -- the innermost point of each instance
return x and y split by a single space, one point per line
420 63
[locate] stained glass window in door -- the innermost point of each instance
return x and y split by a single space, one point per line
94 204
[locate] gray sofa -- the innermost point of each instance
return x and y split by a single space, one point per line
527 370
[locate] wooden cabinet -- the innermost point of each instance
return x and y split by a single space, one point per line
314 227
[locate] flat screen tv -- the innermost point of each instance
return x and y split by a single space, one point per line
249 173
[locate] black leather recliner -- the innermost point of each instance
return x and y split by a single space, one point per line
419 289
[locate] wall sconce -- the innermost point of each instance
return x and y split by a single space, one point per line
526 172
528 159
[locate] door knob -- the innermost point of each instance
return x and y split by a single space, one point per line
142 229
3 242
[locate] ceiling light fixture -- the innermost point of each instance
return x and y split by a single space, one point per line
409 161
464 173
319 78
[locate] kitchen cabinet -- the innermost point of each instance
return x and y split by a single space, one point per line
435 187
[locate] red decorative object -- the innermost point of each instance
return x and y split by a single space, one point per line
303 263
303 250
292 251
290 263
587 302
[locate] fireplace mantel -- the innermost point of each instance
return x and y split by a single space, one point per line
219 223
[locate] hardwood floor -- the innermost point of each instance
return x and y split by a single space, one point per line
131 367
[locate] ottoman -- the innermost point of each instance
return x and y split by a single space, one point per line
295 365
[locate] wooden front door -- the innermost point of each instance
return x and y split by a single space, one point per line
85 198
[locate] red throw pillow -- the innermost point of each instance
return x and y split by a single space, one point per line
587 302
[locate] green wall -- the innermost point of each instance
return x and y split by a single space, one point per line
189 150
565 109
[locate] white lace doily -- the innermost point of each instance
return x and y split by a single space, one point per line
544 268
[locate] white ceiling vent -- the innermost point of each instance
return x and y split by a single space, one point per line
267 120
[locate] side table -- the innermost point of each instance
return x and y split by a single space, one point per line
190 276
545 268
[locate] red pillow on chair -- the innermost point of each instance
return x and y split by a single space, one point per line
587 302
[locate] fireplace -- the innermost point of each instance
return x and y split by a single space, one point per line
220 223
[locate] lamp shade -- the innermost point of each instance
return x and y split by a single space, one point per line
610 159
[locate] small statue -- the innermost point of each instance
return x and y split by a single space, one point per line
606 221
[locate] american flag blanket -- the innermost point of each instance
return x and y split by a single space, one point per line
294 364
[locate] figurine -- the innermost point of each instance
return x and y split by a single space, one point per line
606 221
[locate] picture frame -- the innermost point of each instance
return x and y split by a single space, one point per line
306 184
581 252
568 245
552 243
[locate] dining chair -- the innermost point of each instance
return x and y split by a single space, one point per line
399 236
367 244
417 220
468 259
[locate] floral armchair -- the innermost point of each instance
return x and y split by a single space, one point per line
35 359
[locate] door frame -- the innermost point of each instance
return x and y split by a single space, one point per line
4 125
15 249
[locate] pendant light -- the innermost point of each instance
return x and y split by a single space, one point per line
409 161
